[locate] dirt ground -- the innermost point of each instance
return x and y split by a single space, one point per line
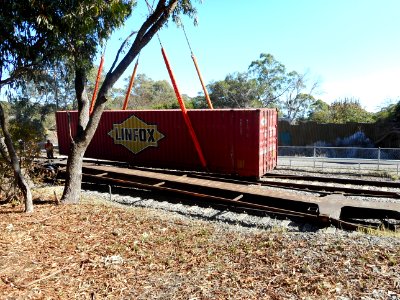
95 250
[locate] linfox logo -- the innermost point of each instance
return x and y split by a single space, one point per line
135 135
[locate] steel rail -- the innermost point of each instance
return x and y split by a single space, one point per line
351 181
321 189
336 189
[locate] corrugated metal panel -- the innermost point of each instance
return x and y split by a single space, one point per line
241 142
268 140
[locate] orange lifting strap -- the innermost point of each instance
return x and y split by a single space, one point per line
128 92
96 87
202 83
184 111
198 70
181 103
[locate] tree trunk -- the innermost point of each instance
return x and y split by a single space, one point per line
24 187
13 159
87 125
73 180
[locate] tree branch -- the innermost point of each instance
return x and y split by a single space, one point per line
120 50
149 28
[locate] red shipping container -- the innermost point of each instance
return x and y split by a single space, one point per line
233 141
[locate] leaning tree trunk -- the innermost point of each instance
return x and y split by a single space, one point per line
85 130
14 162
73 180
79 144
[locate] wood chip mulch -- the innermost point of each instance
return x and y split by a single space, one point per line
95 250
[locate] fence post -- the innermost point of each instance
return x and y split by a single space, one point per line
314 155
379 158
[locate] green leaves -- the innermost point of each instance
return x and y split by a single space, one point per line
236 91
265 84
44 31
340 111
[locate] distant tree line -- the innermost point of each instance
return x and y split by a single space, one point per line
265 84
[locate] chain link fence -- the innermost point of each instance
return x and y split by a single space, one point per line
354 159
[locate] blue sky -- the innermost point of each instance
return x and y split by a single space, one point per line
351 47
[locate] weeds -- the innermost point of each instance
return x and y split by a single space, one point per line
384 174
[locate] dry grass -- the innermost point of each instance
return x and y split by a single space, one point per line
98 251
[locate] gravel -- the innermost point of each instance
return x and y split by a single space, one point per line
206 213
236 221
243 221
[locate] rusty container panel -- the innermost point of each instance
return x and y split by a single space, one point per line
241 142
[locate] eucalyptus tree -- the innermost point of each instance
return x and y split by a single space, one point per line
81 30
26 47
340 111
319 112
349 110
390 112
36 34
288 91
270 76
235 91
297 100
148 93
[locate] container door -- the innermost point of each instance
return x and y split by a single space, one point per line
268 140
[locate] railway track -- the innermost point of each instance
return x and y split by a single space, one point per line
319 186
323 205
331 179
